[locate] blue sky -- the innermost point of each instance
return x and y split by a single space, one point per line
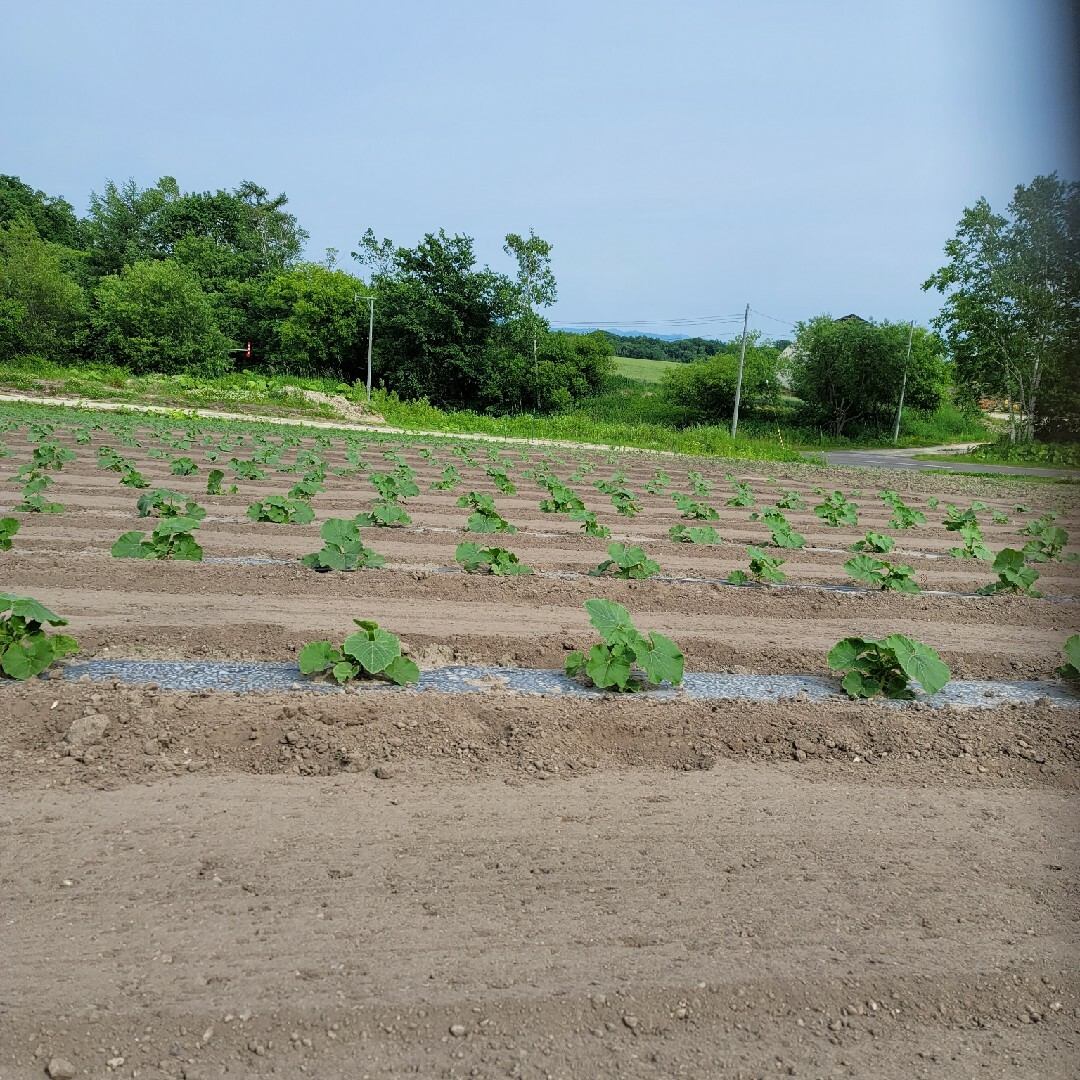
682 158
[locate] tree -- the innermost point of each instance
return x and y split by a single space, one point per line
1011 315
705 389
53 217
42 307
535 281
848 371
155 316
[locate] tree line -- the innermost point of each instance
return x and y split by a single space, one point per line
159 279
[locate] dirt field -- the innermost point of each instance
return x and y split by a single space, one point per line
536 887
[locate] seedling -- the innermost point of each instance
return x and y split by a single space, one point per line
484 518
371 651
894 577
626 561
450 479
694 534
8 528
933 502
1048 547
835 511
501 480
492 560
589 523
109 459
878 543
658 484
1000 517
624 503
171 539
305 489
699 484
791 500
166 503
763 569
562 500
1071 668
743 495
213 483
783 535
34 483
183 466
133 478
384 515
247 470
887 667
610 664
282 510
903 517
394 486
696 511
973 547
1013 575
1038 526
26 649
343 549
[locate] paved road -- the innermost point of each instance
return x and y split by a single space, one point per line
904 459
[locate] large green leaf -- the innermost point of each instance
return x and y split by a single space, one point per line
317 656
132 546
374 649
402 670
25 607
843 654
611 620
919 662
1071 649
339 531
22 660
187 549
664 661
607 668
1009 559
864 568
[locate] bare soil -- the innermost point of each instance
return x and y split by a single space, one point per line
213 884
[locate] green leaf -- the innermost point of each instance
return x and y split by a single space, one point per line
663 661
373 650
345 669
611 620
738 577
844 654
317 656
402 670
575 663
606 668
857 685
338 531
132 546
919 662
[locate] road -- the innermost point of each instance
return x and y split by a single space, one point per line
905 459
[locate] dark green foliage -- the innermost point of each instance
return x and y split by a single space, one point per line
484 517
1071 668
903 517
705 389
165 503
492 560
887 666
835 510
172 538
26 648
1013 575
370 651
343 548
626 561
8 528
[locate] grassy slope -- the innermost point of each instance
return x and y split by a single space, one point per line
645 371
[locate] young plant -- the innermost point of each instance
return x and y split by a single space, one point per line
213 483
166 503
700 486
371 651
903 517
696 511
109 459
626 561
484 517
26 649
450 479
694 534
394 486
501 481
763 569
183 466
171 539
8 528
743 495
624 503
610 663
878 543
887 667
894 577
1000 517
33 502
1047 546
791 500
384 515
343 549
492 560
835 511
1071 668
1013 575
783 535
247 470
562 500
590 525
305 489
133 478
282 510
973 547
658 484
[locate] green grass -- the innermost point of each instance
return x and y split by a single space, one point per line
1002 452
646 371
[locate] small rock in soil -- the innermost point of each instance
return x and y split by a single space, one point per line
87 730
385 772
61 1069
459 1031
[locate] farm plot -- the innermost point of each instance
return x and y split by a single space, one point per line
669 886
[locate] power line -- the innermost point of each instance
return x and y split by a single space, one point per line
772 317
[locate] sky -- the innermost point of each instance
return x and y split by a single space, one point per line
684 159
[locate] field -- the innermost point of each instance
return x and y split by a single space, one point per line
498 883
649 371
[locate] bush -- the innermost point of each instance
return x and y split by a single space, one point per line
155 316
706 388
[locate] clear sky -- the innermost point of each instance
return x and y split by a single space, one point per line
683 158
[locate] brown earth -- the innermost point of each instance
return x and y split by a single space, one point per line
214 884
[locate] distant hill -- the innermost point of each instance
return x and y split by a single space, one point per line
621 333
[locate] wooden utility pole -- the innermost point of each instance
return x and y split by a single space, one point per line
903 384
738 383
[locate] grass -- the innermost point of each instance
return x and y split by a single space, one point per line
1002 452
645 371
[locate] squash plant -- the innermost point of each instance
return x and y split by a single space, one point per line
763 569
835 510
166 503
8 528
689 507
1071 668
492 560
484 517
26 648
611 663
694 534
343 549
875 543
282 510
626 561
171 539
1013 575
894 577
590 524
370 651
887 666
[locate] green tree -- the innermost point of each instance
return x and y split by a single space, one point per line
535 283
848 371
705 389
42 307
155 316
53 217
1011 315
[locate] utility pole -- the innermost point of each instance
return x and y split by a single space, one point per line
903 384
738 384
370 335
